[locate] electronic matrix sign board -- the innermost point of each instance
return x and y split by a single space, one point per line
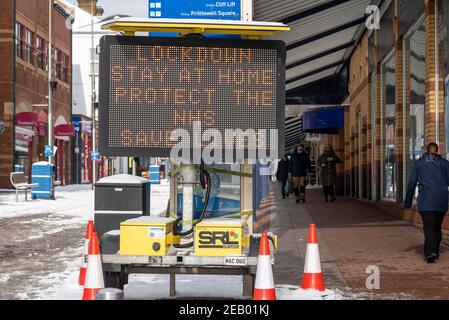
151 86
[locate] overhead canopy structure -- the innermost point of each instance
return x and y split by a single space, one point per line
322 37
246 28
293 132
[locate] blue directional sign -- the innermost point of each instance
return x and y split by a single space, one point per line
195 9
94 156
76 122
48 150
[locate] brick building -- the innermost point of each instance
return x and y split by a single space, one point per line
398 87
24 39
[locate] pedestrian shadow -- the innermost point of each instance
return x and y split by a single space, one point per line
418 249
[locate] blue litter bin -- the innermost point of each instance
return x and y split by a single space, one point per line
155 175
42 173
18 168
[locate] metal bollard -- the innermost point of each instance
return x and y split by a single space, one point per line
109 294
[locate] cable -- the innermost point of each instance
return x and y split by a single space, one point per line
204 176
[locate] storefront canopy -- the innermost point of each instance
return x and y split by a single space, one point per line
324 120
64 130
26 119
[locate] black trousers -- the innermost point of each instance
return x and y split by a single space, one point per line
432 223
283 185
329 190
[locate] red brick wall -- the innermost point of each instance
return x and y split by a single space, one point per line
31 82
6 88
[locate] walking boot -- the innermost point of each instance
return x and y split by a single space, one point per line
431 258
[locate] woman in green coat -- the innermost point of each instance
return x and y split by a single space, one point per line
328 172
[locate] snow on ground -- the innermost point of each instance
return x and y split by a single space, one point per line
49 221
75 201
287 292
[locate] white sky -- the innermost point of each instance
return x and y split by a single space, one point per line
134 8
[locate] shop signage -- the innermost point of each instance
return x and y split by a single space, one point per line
196 9
153 86
313 137
26 119
64 130
76 122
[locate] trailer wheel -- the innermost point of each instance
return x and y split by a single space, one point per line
114 280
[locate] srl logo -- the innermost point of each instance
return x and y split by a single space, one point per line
218 239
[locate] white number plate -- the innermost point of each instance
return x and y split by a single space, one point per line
235 261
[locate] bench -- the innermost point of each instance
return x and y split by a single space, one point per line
20 183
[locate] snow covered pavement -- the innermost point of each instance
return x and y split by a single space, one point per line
42 244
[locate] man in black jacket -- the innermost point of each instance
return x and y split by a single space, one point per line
431 175
298 169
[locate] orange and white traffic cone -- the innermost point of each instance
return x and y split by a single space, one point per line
94 275
264 287
313 276
83 268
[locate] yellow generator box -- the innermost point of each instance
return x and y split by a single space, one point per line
146 236
219 237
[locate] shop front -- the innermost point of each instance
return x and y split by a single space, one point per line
63 133
82 148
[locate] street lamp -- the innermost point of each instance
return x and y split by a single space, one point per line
93 90
50 82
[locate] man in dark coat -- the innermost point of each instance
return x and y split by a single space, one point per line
282 174
328 171
298 169
431 174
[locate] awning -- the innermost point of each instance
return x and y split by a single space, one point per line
323 34
65 130
24 134
26 119
324 120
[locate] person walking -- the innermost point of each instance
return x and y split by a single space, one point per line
282 174
431 174
298 169
328 172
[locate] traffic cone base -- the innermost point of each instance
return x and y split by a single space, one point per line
264 286
89 294
264 294
313 281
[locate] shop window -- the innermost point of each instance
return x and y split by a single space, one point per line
66 69
40 48
28 46
389 127
58 63
19 41
415 82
